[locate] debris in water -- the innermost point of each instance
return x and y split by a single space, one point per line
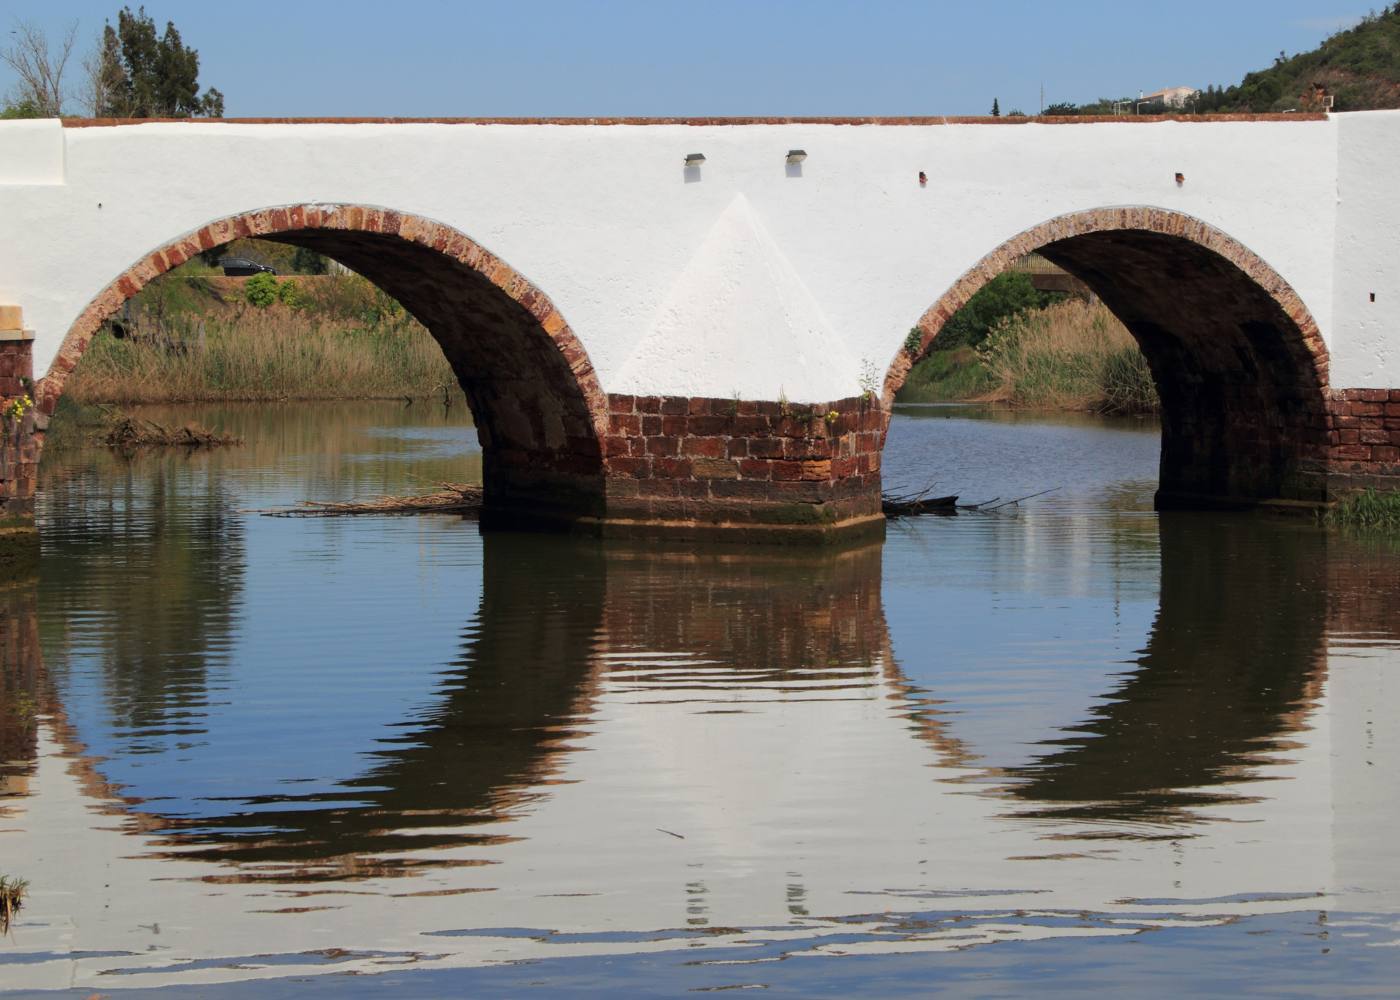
127 433
451 498
12 891
912 504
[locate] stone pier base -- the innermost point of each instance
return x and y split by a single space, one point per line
1364 441
19 448
743 470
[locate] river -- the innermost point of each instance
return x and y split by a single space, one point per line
1065 746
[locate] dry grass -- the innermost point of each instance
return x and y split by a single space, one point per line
262 354
12 893
1071 355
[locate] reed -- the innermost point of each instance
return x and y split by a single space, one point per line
1369 510
280 352
1071 355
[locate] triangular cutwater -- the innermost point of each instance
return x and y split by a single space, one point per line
740 321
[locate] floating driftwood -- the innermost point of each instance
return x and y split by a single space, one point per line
128 433
450 498
12 891
909 505
913 504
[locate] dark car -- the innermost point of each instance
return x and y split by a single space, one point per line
242 267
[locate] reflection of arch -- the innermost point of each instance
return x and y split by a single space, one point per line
559 622
1233 668
539 408
1237 357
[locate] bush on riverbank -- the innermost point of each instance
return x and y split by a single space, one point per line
335 338
946 377
1072 355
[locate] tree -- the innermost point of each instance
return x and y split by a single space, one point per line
105 76
39 69
137 74
21 109
1007 294
996 108
1062 108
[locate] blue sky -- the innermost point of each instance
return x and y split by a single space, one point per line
707 57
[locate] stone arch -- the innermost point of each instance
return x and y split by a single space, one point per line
1237 357
540 411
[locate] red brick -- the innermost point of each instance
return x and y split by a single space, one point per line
672 468
707 447
755 468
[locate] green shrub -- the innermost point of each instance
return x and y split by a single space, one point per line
260 290
289 294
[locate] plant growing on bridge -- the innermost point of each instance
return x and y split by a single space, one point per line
15 409
913 340
869 380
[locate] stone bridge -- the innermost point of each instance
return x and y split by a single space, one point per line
697 326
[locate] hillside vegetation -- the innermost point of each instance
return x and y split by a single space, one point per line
1359 67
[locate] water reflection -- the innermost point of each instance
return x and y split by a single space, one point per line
410 744
1233 667
25 693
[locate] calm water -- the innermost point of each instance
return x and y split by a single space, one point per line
1065 747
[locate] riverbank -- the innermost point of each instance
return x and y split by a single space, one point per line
1069 355
194 339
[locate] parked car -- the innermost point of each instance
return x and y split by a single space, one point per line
242 267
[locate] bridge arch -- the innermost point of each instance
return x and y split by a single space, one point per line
540 411
1238 360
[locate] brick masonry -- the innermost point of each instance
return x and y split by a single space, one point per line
19 445
1363 440
682 465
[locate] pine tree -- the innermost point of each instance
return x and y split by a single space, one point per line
141 75
996 108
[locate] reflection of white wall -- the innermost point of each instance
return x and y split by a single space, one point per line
604 221
795 801
1363 687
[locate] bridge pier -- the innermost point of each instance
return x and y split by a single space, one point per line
1364 440
19 447
743 470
